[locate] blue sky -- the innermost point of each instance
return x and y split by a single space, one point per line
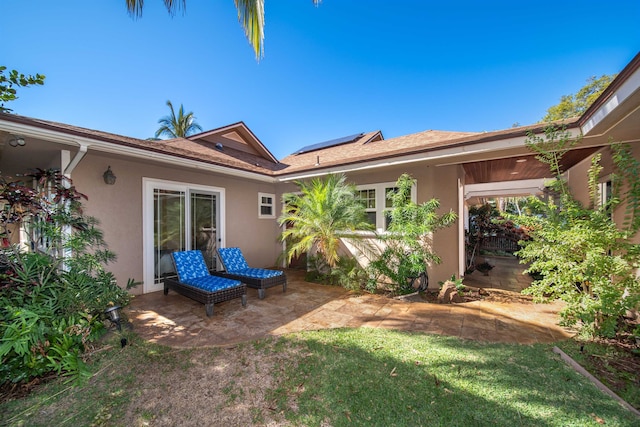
347 66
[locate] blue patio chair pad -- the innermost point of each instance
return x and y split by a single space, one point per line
256 273
232 259
212 283
189 265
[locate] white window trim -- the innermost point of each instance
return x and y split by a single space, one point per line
604 195
272 205
380 189
602 189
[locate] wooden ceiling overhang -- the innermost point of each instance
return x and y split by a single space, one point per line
522 167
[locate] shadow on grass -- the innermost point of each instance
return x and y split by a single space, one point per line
378 378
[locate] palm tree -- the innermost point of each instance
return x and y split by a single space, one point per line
322 213
250 15
178 127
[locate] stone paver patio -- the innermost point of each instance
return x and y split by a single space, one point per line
177 321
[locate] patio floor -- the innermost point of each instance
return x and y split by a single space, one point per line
506 274
178 321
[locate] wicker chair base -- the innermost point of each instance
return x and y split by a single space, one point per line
205 297
259 284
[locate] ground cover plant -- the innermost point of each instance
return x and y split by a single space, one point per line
346 377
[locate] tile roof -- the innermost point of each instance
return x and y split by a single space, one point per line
369 147
422 142
183 148
366 149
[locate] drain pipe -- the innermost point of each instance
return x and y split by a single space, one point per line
76 159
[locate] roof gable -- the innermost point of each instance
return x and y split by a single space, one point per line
237 137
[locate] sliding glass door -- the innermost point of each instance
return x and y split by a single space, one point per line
203 225
169 207
178 217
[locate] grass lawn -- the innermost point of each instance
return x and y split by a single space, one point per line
346 377
615 366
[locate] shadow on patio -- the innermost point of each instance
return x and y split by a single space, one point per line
177 321
507 274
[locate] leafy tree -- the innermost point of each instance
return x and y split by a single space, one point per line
408 238
179 126
578 252
325 211
250 15
575 105
8 84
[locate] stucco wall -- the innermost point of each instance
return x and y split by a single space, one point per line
577 178
119 208
440 182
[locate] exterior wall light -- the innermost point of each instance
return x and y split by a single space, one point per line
109 177
16 141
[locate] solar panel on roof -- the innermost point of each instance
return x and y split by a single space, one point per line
330 143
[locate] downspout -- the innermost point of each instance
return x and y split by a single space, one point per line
82 151
462 248
67 170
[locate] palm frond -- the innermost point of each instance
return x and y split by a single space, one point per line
134 7
179 126
251 16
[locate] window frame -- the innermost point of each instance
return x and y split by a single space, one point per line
605 190
272 205
380 189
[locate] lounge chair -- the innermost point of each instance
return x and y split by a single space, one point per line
195 282
236 267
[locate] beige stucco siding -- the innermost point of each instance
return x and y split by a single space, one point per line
578 176
440 182
578 180
119 208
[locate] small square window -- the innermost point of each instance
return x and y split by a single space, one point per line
266 205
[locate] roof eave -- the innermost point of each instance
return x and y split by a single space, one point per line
484 143
122 148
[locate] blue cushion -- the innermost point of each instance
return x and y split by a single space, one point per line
234 263
213 283
189 265
232 259
258 273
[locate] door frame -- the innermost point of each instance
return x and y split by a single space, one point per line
148 187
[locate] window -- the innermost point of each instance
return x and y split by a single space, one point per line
375 198
266 205
368 199
606 192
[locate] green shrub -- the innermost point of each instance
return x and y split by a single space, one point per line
408 239
347 273
52 299
578 253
